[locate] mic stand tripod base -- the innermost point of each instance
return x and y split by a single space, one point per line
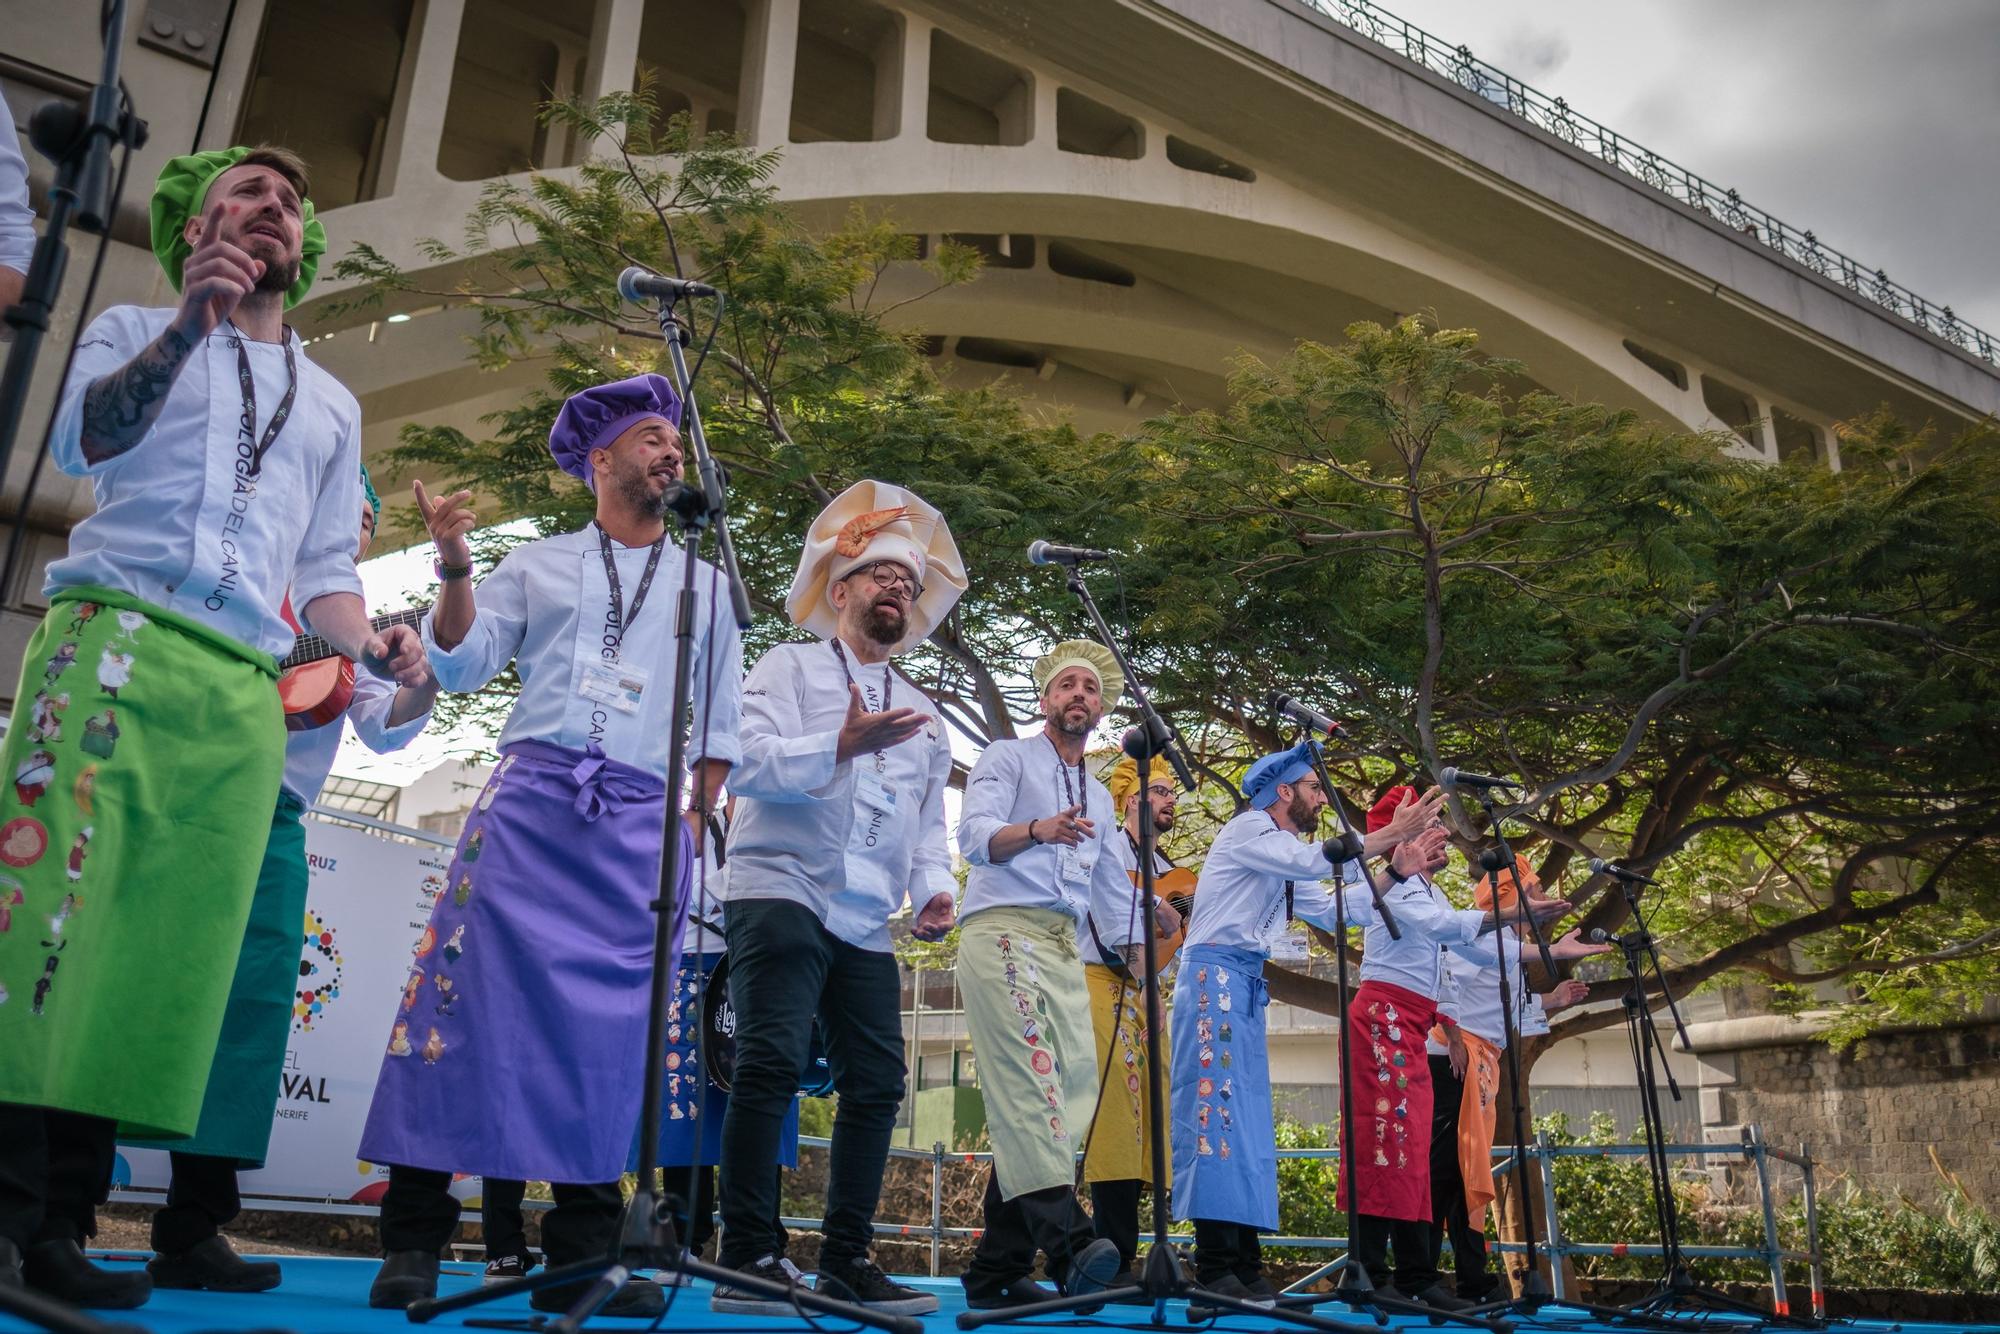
608 1277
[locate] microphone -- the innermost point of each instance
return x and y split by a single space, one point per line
1602 867
637 284
1048 553
1279 702
1597 935
1450 777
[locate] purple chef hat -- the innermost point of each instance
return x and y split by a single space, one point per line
599 415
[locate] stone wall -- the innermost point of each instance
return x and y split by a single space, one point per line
1887 1112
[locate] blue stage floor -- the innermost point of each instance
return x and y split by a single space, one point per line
330 1296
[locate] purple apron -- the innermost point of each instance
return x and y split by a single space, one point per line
516 1044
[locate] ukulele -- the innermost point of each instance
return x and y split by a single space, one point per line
1176 886
315 682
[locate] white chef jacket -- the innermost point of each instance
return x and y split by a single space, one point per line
309 755
1025 779
547 608
795 834
1429 925
1240 895
17 220
177 525
1117 922
1472 992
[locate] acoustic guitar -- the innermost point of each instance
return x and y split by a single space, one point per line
315 682
1176 886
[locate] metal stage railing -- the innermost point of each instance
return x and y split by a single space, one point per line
1751 1150
1555 116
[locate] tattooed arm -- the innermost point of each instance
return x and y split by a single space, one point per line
121 407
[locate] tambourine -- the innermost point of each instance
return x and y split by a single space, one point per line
718 1041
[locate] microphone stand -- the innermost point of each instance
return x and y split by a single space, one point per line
1354 1288
1679 1293
646 1238
80 144
1161 1279
1536 1295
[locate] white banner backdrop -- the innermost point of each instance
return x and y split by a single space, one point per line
369 899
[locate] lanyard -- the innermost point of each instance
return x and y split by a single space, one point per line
1069 793
888 690
623 615
249 384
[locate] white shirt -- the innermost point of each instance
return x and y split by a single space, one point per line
1119 923
1239 897
803 821
547 608
1429 924
1020 780
177 525
1472 992
17 220
309 755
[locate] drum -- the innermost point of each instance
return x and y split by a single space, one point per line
718 1040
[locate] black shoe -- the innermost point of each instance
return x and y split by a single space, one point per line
1022 1291
639 1299
405 1277
1125 1278
507 1268
1090 1270
862 1282
212 1264
60 1269
1440 1298
10 1264
1227 1285
1260 1290
728 1299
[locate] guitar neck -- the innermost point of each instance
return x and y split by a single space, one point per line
314 648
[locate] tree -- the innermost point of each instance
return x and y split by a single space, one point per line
808 387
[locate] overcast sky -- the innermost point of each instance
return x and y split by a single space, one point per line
1876 125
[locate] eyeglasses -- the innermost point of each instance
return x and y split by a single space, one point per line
888 574
1162 790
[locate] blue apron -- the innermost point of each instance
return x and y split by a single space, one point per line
1225 1151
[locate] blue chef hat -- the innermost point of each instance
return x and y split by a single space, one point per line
1260 785
599 415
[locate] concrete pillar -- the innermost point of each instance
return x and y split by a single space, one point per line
1018 110
232 76
770 54
1042 121
614 51
423 88
903 80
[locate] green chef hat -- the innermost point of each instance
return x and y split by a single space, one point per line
180 193
368 492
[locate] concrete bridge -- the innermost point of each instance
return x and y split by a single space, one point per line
1157 185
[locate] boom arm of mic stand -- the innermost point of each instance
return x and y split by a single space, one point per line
1659 971
1354 840
714 493
1160 734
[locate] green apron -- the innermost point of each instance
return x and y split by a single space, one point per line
243 1082
136 782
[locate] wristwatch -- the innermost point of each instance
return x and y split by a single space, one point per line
445 572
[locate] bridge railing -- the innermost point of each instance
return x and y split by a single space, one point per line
1555 116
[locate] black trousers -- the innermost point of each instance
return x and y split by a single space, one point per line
502 1224
1468 1243
202 1199
1226 1248
783 968
1412 1242
1049 1221
55 1169
419 1213
1114 1211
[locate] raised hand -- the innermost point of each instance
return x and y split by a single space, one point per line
397 654
449 519
1573 945
1068 828
215 279
1412 817
1565 993
862 732
1419 855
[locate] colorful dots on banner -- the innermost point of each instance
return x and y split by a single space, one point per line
320 969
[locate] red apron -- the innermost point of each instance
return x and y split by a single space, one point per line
1392 1101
